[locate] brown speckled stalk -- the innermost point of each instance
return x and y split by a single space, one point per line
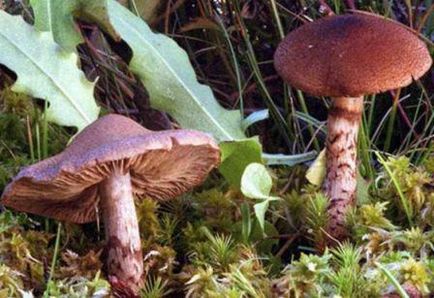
340 182
124 253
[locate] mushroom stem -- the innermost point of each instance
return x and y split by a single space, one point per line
124 252
341 178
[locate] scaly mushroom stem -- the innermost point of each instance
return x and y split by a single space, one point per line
341 178
124 252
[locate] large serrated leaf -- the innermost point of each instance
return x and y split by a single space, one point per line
167 74
57 17
45 71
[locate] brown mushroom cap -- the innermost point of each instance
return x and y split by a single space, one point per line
351 55
161 164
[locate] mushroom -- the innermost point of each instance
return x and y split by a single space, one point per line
108 162
346 57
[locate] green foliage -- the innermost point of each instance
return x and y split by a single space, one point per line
316 217
19 247
148 221
429 164
304 277
393 281
38 61
294 202
20 250
416 241
217 264
87 266
248 280
236 156
347 256
20 136
154 288
57 17
201 283
217 250
78 288
309 267
168 224
216 208
410 183
372 215
166 72
10 282
348 278
244 277
256 183
415 273
168 76
16 104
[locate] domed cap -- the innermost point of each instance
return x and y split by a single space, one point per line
351 55
162 165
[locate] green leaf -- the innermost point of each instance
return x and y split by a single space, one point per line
256 183
165 70
260 209
253 118
167 74
246 226
288 160
317 171
57 17
236 156
45 71
362 190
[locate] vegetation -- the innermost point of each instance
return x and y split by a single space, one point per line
258 233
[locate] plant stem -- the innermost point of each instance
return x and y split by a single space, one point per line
236 65
55 253
407 208
305 110
45 132
363 149
276 17
391 122
30 140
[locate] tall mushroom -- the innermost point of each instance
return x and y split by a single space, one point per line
346 57
102 168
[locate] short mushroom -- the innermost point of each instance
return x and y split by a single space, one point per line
108 162
346 57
